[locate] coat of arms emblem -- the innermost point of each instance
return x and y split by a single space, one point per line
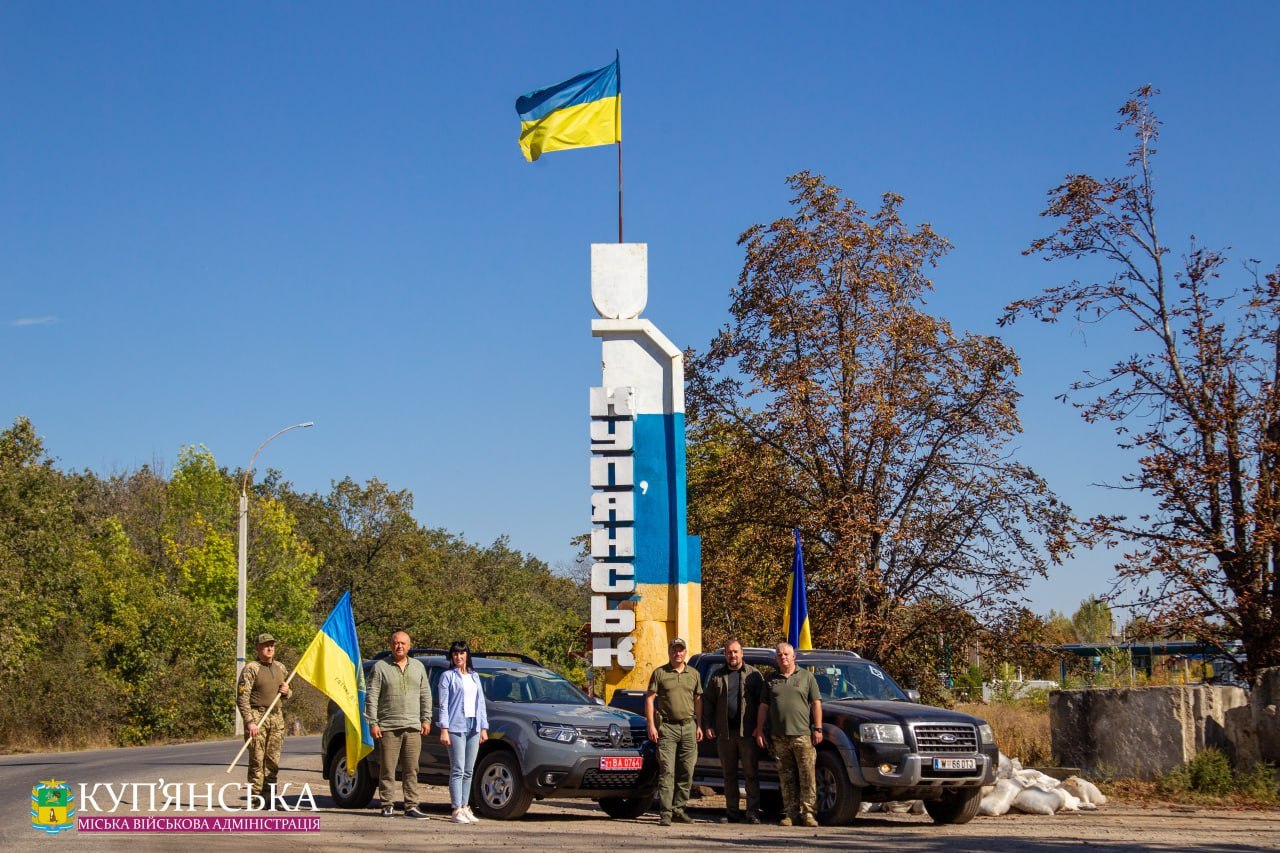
52 807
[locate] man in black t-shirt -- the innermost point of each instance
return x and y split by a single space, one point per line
729 711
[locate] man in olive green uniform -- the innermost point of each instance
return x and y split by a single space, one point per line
729 709
792 706
676 691
261 681
397 705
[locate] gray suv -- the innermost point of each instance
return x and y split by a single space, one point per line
546 739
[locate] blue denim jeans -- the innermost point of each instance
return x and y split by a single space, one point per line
462 762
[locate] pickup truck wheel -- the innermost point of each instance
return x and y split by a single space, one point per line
959 806
499 791
625 808
349 790
838 799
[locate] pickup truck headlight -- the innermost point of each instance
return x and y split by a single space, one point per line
881 733
987 734
559 734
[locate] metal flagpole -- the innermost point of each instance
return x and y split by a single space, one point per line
617 129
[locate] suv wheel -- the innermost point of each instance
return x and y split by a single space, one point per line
349 790
499 790
960 806
625 808
838 799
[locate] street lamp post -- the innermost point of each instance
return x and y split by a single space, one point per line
243 564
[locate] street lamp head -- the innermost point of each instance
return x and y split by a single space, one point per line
244 484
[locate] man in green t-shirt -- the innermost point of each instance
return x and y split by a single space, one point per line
792 706
676 691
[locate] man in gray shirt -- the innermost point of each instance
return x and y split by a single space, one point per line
398 707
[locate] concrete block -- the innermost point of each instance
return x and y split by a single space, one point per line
1139 732
1254 729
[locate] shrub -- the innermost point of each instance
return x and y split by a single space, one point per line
1208 773
1259 784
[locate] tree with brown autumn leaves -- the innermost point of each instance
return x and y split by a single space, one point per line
1197 402
833 402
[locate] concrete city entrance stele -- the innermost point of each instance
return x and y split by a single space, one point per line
646 580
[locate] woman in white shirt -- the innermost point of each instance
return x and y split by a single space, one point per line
464 725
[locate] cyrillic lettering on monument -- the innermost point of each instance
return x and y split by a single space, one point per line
613 534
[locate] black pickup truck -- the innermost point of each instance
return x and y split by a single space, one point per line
879 744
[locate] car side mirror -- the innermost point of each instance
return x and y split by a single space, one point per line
913 695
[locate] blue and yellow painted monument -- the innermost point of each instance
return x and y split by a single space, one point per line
646 580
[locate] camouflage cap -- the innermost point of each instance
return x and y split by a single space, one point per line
677 642
265 639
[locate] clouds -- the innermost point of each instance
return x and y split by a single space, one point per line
47 320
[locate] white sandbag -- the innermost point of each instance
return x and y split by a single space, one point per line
863 808
1035 777
1036 800
1005 768
917 807
896 807
1067 802
1001 797
1085 790
1015 764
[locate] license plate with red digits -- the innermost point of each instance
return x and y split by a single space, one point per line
955 764
621 762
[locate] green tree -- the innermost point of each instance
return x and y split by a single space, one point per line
835 403
1198 400
1091 623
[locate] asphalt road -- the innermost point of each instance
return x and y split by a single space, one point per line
569 824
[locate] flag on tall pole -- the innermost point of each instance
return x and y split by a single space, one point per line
583 111
795 618
333 664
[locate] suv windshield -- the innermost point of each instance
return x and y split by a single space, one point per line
854 680
526 684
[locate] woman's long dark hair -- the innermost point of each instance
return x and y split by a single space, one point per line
461 646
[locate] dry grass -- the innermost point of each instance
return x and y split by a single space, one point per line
1022 730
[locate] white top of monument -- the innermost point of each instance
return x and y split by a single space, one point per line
619 279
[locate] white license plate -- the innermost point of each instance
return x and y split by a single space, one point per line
955 764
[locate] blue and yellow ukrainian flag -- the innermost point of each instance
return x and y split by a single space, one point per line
795 619
580 112
333 664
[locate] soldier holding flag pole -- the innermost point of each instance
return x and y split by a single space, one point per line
332 663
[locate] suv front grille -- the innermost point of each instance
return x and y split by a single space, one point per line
610 779
598 737
945 738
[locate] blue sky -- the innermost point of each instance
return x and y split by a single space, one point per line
217 220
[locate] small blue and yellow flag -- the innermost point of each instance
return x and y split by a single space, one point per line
333 664
795 619
580 112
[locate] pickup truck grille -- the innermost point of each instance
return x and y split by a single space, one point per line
598 737
945 738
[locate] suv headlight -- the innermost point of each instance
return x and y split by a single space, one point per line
559 734
987 734
881 733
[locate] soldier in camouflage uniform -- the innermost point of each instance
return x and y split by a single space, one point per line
792 706
260 681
